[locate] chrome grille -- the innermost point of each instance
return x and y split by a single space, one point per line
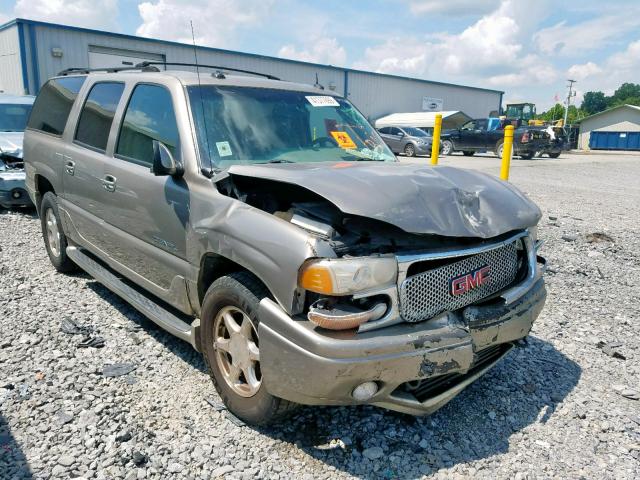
427 294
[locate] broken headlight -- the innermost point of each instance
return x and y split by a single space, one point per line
346 276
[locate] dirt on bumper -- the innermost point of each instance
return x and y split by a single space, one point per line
304 365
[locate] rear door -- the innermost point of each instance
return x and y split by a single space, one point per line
84 159
385 133
147 215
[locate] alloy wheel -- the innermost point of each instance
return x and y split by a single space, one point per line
237 353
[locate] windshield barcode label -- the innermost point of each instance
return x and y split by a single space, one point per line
322 101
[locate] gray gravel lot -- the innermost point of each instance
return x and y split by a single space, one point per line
562 405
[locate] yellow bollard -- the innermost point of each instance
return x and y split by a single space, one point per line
506 152
435 141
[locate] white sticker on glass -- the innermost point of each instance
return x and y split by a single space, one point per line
224 149
322 101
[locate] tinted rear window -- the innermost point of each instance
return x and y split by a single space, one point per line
51 108
97 114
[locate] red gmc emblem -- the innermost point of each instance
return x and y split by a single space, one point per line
469 281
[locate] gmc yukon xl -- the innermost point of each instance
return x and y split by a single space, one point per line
267 224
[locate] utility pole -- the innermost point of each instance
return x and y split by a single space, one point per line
570 94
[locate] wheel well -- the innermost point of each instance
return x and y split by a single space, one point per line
42 186
213 267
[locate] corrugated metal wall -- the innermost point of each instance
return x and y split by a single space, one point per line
75 47
375 95
10 62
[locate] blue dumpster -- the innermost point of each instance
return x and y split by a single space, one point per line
614 141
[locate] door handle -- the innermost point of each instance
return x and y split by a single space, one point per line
70 166
109 183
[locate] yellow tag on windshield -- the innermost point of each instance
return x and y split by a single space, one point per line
343 139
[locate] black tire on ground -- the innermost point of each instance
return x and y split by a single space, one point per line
527 156
498 150
554 154
468 153
447 147
409 150
243 291
51 224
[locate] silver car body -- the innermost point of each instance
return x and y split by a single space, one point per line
169 236
12 176
397 138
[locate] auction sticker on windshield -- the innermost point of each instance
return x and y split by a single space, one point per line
322 101
343 139
224 149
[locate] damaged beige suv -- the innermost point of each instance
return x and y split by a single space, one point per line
267 224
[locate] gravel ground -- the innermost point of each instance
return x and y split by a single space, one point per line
562 405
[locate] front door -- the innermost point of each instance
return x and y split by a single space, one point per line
148 215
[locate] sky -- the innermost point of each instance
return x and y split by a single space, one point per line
526 48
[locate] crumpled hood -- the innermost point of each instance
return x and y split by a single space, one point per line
11 143
416 198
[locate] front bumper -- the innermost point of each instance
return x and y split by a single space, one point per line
304 364
13 192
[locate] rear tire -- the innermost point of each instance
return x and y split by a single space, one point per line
409 150
55 241
230 348
468 153
447 147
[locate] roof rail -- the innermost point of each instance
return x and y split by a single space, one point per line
79 70
179 64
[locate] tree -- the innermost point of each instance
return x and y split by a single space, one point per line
554 113
594 102
624 92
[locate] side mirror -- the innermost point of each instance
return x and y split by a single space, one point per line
163 162
401 134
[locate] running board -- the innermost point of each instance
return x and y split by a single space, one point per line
145 305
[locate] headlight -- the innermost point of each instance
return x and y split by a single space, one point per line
346 276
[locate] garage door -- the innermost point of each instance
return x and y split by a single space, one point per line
102 57
614 141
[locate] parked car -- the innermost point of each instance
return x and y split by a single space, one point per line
267 224
487 134
408 140
14 112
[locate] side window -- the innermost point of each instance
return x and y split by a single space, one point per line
481 124
149 116
53 105
97 114
385 130
395 131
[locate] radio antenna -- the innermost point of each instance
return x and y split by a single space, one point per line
209 172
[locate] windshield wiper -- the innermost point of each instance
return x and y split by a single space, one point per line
278 160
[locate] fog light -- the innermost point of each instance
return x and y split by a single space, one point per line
365 391
16 194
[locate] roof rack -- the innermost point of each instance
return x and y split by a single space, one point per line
218 67
76 70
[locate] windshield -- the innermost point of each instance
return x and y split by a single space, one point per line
13 117
260 125
414 132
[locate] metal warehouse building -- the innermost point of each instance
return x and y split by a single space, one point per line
615 129
31 52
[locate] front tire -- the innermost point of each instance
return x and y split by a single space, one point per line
447 147
231 348
499 148
55 241
410 150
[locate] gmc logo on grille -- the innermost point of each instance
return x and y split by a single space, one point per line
469 281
